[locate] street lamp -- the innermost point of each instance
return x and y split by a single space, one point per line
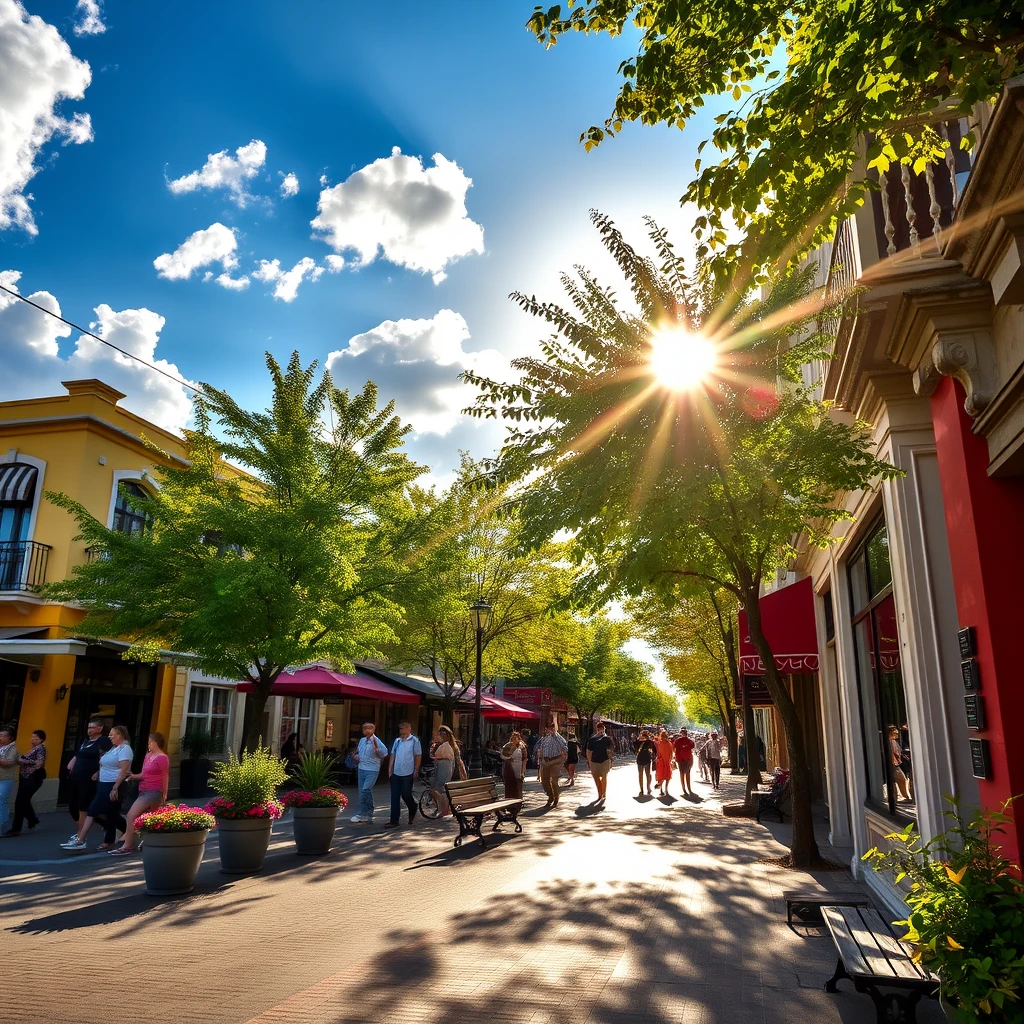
480 611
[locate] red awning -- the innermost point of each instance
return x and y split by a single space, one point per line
787 618
316 682
495 707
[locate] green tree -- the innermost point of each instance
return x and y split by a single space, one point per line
291 562
713 484
809 81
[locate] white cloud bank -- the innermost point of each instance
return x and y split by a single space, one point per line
289 184
34 367
222 170
90 20
415 216
286 282
38 72
215 244
417 363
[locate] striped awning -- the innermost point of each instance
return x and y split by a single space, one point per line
17 483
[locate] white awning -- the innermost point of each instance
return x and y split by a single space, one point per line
32 652
17 482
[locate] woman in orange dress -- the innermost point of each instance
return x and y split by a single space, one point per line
663 771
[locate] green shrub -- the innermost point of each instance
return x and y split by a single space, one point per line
248 782
315 771
966 920
197 743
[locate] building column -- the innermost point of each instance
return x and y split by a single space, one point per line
985 525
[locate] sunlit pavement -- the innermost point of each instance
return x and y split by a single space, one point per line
641 911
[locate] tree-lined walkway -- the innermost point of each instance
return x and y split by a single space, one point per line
642 911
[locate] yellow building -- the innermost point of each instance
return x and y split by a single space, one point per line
85 445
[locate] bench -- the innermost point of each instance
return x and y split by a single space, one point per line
873 958
771 800
805 899
472 800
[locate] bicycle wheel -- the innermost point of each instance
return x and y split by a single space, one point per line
429 807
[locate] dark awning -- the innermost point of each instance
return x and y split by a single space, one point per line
787 618
17 482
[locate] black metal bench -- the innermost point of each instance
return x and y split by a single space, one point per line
815 899
873 958
771 800
473 800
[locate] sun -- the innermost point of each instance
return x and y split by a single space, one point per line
681 360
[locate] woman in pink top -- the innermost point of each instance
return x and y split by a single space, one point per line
152 789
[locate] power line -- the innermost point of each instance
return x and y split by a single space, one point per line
102 341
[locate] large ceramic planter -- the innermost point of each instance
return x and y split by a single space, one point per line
243 844
170 861
313 828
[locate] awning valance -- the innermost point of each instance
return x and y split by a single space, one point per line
317 682
496 707
787 619
17 482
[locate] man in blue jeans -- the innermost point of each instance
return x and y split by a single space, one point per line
369 755
403 764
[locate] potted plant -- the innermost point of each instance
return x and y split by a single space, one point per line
195 769
246 807
174 840
966 919
315 805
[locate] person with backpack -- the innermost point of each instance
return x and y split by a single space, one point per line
403 766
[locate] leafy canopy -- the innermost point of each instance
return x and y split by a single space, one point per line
809 80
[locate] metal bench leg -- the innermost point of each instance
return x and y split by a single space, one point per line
830 985
893 1007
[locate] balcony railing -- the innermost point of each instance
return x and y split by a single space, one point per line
22 565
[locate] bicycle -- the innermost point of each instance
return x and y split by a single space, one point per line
429 799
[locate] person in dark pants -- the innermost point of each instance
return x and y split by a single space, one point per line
713 748
83 770
32 772
403 765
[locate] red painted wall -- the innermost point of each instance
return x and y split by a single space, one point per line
985 524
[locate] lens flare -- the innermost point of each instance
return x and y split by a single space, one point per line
681 360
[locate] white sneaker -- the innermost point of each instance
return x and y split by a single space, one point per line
73 837
357 818
75 844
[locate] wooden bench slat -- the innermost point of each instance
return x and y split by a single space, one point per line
851 953
893 948
499 805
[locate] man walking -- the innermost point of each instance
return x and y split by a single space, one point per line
713 748
368 756
600 757
684 759
83 770
551 754
403 764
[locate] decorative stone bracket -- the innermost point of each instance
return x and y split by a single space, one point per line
969 358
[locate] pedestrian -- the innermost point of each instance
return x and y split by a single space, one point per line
572 758
403 766
663 771
8 775
82 772
292 751
531 739
646 752
513 766
114 767
600 758
31 773
713 747
446 755
369 756
683 747
702 758
152 780
896 755
741 753
551 753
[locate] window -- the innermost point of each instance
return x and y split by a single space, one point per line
127 517
296 716
209 708
887 747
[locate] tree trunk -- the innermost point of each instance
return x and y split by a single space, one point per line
255 705
803 849
729 728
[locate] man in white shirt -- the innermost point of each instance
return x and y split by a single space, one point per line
403 764
369 755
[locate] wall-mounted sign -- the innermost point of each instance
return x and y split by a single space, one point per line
980 761
334 700
972 677
329 729
974 704
966 640
756 690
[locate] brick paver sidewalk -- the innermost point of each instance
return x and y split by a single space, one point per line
643 911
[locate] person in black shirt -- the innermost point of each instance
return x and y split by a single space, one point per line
646 752
572 759
83 770
600 757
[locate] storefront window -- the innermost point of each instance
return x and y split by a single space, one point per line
296 716
127 518
209 707
887 746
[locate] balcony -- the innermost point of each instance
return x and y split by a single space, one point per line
22 565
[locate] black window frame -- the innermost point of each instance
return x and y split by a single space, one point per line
138 523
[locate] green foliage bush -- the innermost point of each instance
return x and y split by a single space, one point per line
197 743
315 771
966 920
250 781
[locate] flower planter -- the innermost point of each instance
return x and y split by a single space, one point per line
243 844
170 861
313 828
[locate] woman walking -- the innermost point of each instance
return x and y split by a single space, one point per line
572 758
8 775
32 772
646 753
445 753
513 757
115 765
153 778
713 748
663 771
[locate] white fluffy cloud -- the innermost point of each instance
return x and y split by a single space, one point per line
415 216
286 282
289 184
215 244
417 363
34 367
90 20
39 71
222 170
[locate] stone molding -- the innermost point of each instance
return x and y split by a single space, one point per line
969 357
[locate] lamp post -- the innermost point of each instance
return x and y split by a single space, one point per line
480 611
